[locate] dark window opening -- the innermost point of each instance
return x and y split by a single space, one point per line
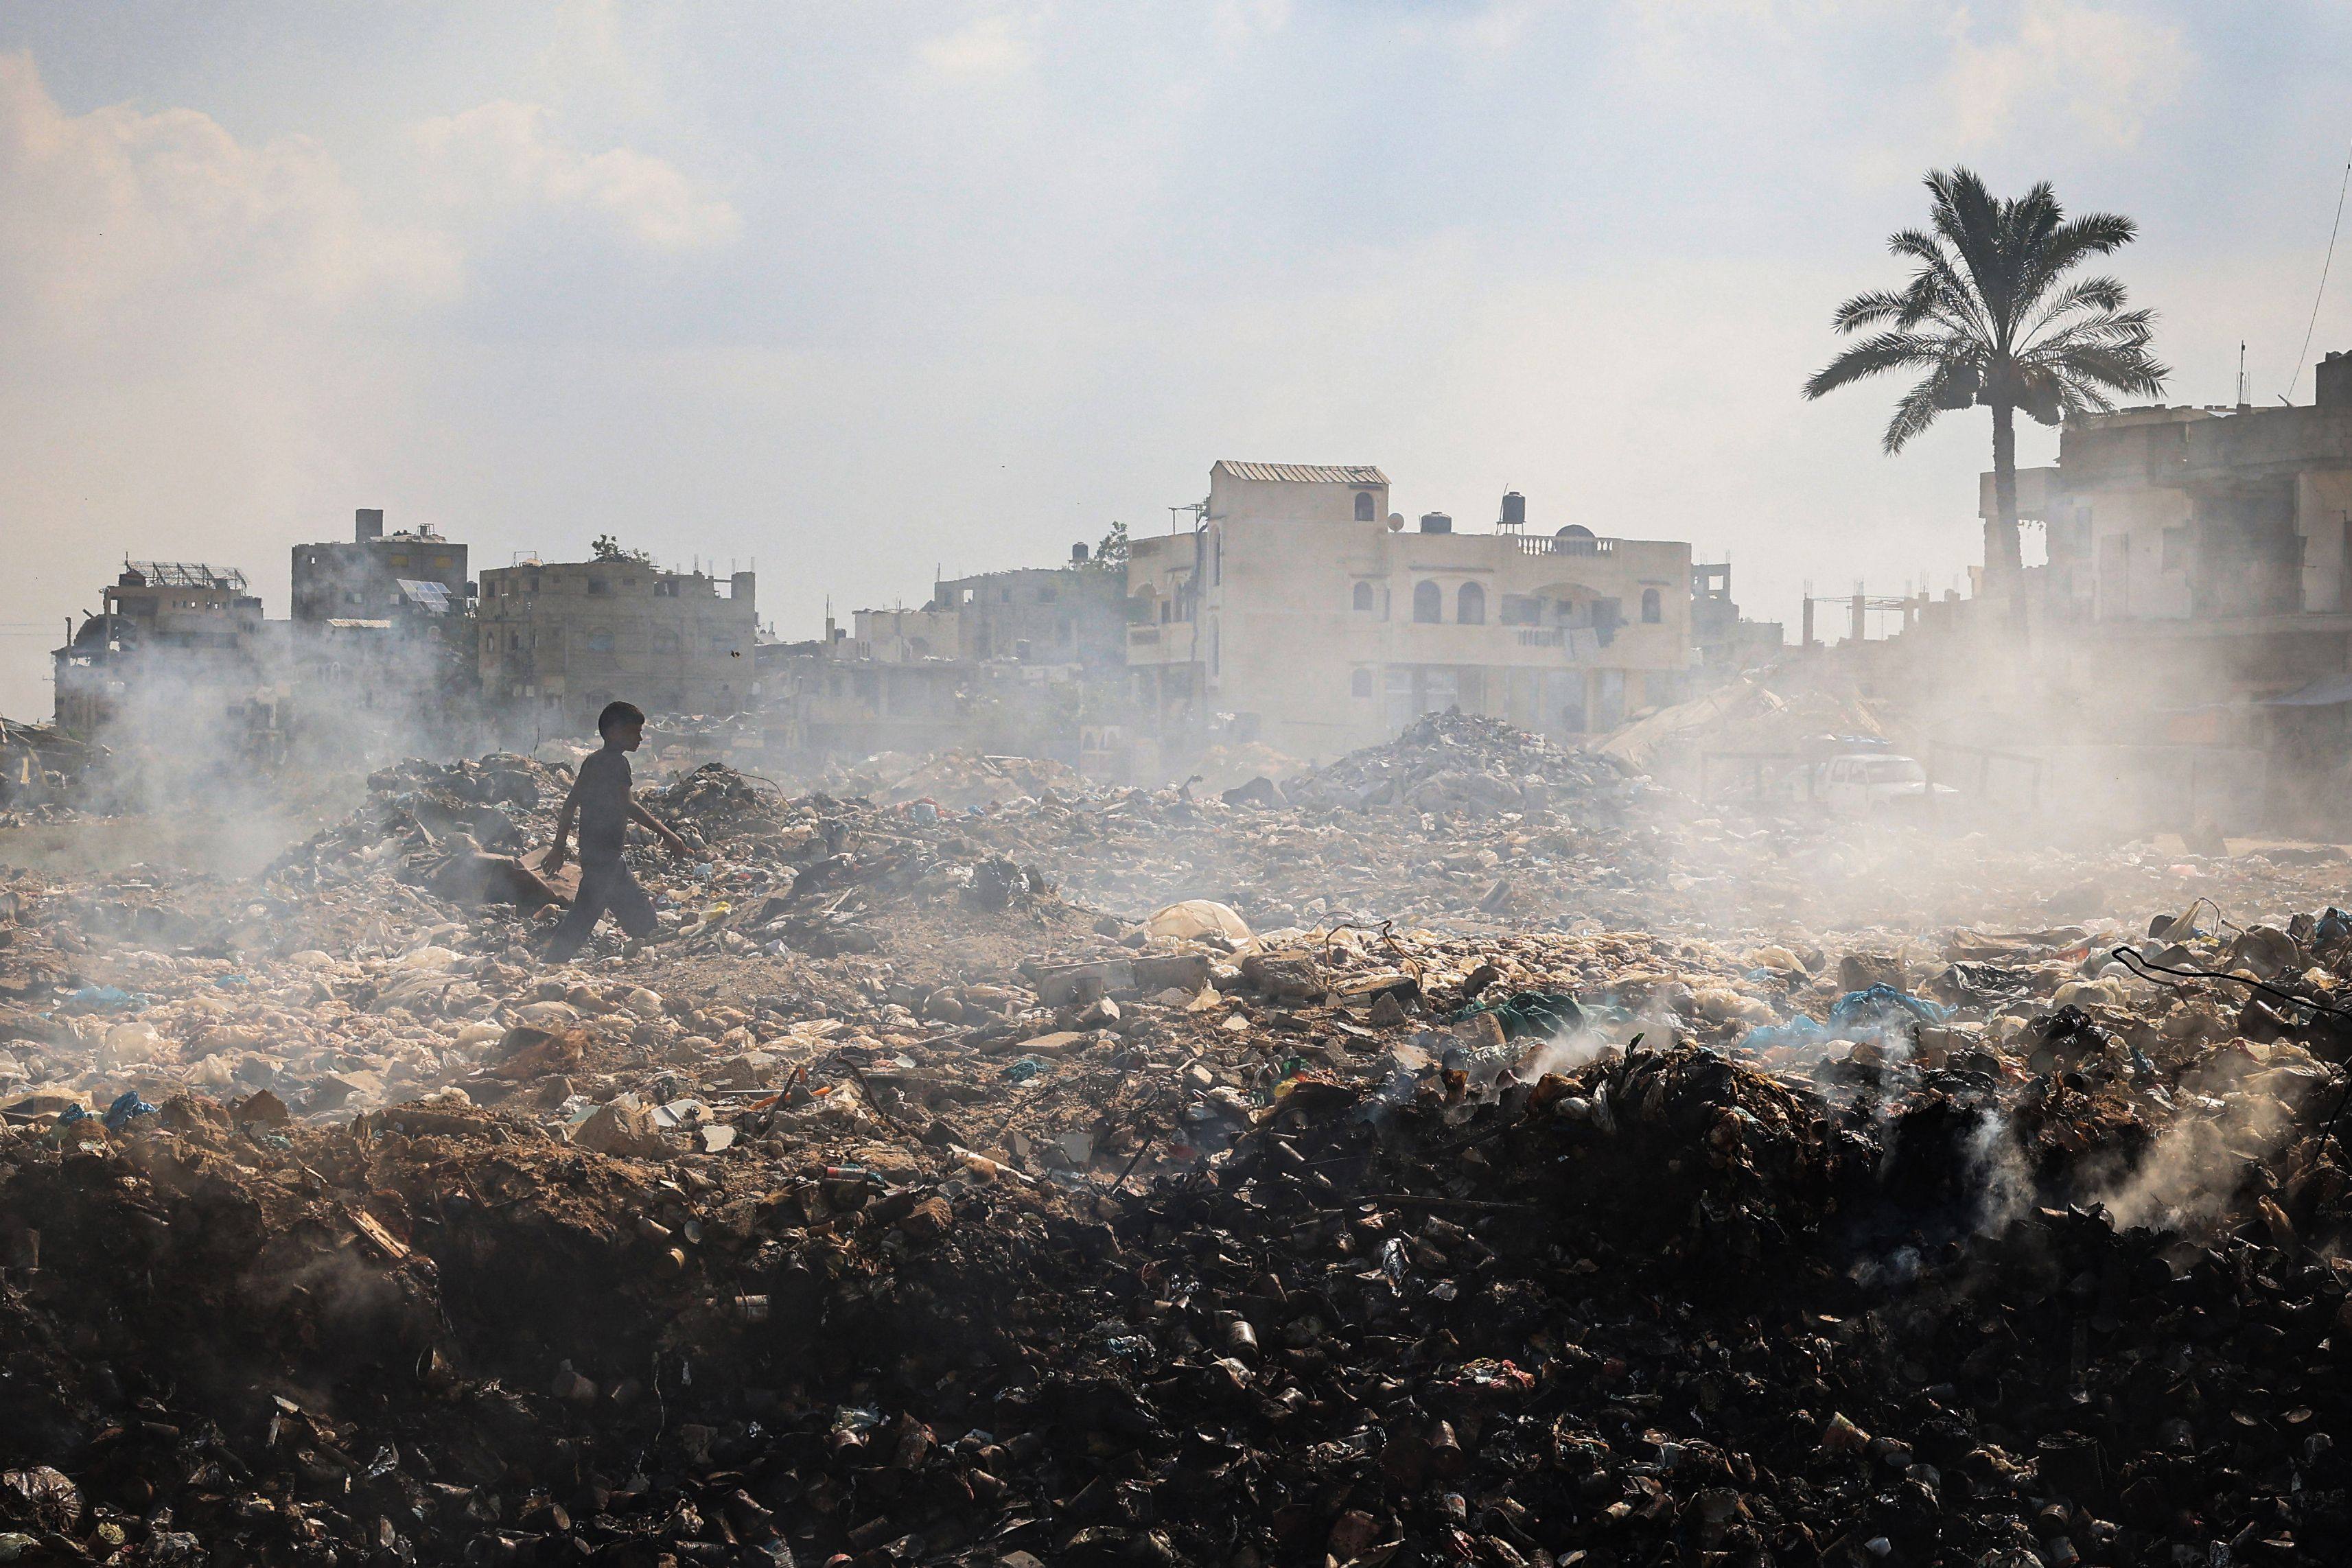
1428 604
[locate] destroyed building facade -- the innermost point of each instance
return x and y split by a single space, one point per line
558 640
1035 615
1303 606
192 624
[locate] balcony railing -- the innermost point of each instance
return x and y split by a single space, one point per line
1142 636
1554 545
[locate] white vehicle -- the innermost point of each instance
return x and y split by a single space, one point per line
1868 782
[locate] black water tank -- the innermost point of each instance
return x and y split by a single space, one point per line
1515 509
2332 382
1436 523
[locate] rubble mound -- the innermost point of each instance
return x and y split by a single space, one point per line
1453 762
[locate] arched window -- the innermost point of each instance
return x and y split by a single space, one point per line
1360 684
1364 596
1363 505
1216 559
1428 604
1470 605
1651 611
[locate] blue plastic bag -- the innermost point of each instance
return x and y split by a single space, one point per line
126 1105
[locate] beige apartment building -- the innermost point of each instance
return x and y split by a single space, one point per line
1301 605
558 640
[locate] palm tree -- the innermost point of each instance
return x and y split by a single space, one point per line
1990 320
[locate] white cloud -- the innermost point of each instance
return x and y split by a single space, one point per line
1237 23
987 49
2104 73
502 155
104 206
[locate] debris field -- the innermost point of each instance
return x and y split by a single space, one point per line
1462 1154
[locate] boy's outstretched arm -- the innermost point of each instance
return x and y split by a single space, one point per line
668 837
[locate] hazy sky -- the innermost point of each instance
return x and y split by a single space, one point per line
857 290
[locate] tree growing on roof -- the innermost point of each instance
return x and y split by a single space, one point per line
1110 555
1990 320
606 547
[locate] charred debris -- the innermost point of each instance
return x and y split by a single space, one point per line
944 1187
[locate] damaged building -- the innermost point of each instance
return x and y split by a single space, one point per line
558 640
382 631
1300 604
189 629
2200 560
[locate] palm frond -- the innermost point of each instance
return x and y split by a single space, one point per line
1871 357
2130 370
2084 294
1913 413
1868 311
2069 245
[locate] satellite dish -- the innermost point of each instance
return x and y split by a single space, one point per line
1396 522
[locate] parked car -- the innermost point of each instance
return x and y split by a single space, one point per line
1865 784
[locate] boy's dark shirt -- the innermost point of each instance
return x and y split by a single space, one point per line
603 805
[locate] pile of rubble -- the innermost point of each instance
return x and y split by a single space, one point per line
1453 763
44 773
900 1207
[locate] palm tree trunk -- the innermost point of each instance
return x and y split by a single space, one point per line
2004 553
2004 556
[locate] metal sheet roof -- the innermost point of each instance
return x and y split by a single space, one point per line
1303 473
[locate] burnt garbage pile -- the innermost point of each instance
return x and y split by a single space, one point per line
1666 1302
1430 1303
436 1336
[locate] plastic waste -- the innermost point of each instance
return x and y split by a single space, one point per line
126 1106
101 999
1541 1013
1195 919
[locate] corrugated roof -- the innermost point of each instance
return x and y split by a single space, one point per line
1303 473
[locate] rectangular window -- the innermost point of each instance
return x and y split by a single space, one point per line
399 560
598 585
443 562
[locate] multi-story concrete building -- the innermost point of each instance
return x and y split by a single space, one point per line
558 640
376 576
1302 606
905 636
182 628
2211 548
1038 615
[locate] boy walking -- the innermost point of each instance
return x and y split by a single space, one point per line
600 798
